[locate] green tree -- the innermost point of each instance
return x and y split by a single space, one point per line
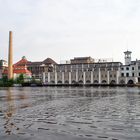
5 82
10 83
5 79
20 79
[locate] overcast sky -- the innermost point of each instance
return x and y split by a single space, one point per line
63 29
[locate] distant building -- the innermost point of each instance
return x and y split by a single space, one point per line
80 70
130 72
38 68
3 66
127 57
31 69
20 68
82 60
83 70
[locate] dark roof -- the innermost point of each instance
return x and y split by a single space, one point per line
96 63
81 58
49 61
127 52
34 63
46 61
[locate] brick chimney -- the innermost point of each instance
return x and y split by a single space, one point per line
10 57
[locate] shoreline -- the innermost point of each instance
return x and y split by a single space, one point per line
82 85
72 85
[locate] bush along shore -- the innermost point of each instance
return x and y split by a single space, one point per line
19 81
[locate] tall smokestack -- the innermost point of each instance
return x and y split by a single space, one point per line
10 57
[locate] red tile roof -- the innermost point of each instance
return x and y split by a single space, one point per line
22 62
19 67
21 71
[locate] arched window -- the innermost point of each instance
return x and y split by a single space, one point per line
130 82
73 82
88 82
59 82
104 82
66 82
80 82
122 82
113 82
95 82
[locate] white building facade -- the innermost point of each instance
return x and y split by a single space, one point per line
105 73
130 72
93 73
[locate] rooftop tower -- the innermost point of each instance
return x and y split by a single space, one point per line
127 57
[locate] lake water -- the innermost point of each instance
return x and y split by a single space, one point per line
70 113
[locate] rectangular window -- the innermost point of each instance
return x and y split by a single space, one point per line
122 74
132 68
139 73
127 74
133 74
122 68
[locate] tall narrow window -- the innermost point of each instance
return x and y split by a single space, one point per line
127 74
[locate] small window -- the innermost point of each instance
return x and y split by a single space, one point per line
139 74
132 68
127 68
122 68
110 75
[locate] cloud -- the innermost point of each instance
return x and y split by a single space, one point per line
68 28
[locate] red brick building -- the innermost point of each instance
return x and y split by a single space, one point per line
20 68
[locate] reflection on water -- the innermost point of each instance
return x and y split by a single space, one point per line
9 125
9 108
81 112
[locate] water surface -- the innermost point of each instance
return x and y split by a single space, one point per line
70 113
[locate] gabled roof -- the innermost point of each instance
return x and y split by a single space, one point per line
34 63
46 62
22 62
49 61
18 71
